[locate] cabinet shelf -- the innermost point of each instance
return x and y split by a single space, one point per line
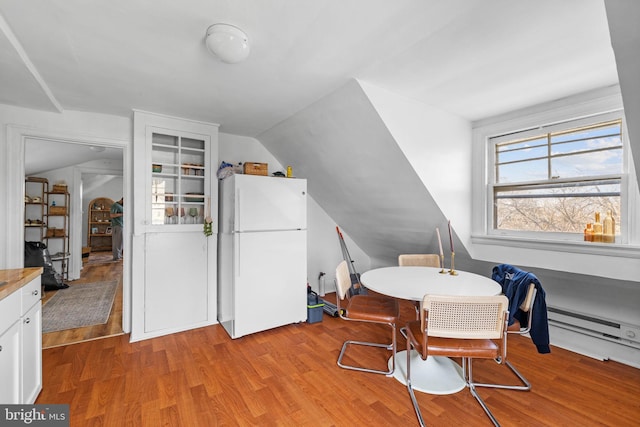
166 147
179 178
192 150
165 175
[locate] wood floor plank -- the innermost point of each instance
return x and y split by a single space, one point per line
288 376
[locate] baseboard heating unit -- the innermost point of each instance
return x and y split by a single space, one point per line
595 337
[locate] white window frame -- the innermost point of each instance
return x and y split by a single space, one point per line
566 110
546 129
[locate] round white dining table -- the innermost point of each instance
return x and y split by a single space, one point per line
436 374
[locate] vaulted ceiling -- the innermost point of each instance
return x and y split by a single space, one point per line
472 58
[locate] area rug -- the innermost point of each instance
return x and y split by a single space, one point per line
100 257
79 305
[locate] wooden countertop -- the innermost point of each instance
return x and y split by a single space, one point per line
17 278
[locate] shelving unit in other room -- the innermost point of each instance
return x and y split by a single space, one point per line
98 224
57 235
35 208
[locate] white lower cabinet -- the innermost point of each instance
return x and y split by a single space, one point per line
31 335
21 345
177 288
10 365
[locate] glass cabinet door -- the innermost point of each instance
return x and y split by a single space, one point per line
179 178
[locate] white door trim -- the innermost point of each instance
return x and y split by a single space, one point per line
14 202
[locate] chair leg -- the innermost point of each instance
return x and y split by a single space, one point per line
412 395
526 385
403 331
474 393
391 347
416 306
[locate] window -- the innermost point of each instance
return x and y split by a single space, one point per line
555 178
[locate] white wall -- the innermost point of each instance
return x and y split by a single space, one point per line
623 18
436 144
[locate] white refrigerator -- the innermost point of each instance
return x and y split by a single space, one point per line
262 253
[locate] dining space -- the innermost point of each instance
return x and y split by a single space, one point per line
458 317
289 376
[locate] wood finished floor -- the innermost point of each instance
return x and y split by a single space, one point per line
98 268
288 377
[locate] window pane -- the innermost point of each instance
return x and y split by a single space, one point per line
587 164
558 190
522 154
532 170
558 209
598 132
523 144
586 145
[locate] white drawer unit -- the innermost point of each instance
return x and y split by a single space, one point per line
31 294
21 341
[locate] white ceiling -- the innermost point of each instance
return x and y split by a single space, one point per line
474 58
43 155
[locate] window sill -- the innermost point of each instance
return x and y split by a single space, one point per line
576 247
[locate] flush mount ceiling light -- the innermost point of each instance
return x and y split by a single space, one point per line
228 43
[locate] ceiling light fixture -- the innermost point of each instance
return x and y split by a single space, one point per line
96 148
228 43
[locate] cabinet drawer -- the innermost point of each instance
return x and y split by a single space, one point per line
31 294
9 311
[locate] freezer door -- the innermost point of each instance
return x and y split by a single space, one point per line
270 280
266 203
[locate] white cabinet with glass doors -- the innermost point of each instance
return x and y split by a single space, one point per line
174 262
179 178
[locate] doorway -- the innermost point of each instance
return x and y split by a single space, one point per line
86 169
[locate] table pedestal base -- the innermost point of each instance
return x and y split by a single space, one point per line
436 375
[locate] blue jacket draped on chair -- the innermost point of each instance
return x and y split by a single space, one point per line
515 283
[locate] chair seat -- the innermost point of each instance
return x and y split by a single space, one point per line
477 348
373 308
